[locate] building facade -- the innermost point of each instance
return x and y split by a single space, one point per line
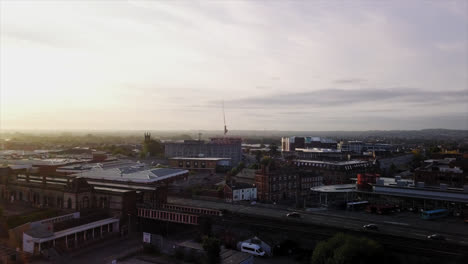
284 182
441 171
201 164
291 143
335 172
215 148
239 191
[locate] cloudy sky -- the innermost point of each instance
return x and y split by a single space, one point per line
287 65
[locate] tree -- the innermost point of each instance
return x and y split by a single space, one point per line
258 156
153 148
343 248
273 150
212 247
392 170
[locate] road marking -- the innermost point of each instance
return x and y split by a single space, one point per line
396 223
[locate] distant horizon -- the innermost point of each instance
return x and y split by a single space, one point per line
210 130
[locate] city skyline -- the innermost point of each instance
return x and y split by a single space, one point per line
283 66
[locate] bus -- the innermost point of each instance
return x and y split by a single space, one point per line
434 214
359 205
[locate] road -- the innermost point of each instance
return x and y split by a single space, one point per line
404 225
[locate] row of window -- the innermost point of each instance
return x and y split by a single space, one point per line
192 209
169 216
195 164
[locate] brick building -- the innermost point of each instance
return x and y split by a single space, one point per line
449 171
335 172
277 182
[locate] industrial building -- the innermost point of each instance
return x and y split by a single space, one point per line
292 143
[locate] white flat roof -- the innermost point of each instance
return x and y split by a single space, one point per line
138 175
76 229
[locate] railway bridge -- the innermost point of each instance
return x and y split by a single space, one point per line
180 214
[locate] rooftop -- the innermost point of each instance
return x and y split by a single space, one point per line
201 158
135 173
336 163
240 185
342 188
39 162
319 150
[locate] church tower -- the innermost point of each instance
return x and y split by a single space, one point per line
147 137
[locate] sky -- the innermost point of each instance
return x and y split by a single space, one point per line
277 65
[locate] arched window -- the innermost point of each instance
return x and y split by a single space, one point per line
59 202
85 202
20 196
103 202
69 203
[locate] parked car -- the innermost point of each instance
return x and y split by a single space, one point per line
253 249
371 227
293 214
436 237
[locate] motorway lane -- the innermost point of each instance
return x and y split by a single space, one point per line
396 227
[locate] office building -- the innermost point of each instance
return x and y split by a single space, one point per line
226 147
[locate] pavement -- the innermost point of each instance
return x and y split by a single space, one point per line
404 224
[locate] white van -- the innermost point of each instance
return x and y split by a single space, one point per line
253 249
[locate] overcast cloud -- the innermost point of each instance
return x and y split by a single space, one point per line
287 65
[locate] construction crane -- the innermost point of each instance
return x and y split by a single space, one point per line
224 118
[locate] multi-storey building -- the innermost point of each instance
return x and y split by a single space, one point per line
201 164
360 147
227 147
335 172
277 182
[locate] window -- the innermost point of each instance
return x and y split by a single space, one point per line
248 249
203 164
181 164
187 164
195 164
